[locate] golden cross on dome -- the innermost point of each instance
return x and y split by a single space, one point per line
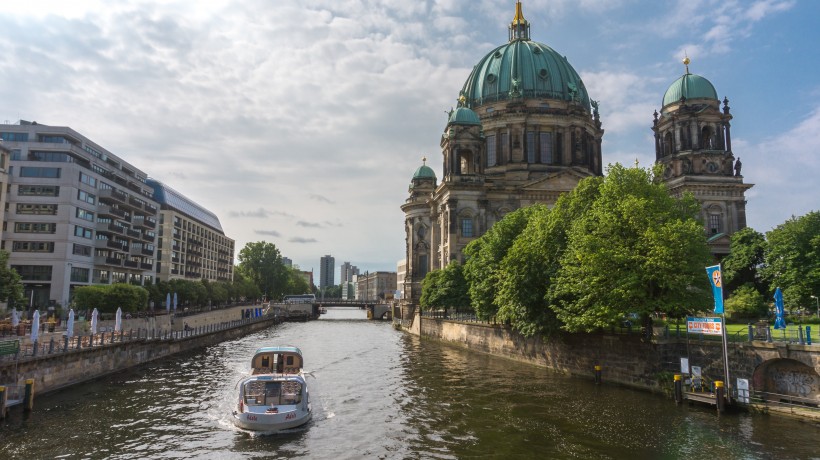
424 160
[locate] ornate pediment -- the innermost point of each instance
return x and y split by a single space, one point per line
556 182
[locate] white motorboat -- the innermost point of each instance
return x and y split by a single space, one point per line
275 396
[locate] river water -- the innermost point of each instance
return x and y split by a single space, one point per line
380 393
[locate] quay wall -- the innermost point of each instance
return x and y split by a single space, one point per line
56 371
626 359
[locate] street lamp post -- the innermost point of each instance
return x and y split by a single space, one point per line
816 301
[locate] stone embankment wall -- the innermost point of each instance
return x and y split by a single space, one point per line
53 372
625 359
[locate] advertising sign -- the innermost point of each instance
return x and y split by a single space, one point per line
708 326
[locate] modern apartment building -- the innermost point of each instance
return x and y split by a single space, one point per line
75 214
191 244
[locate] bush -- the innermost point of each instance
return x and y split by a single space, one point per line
746 302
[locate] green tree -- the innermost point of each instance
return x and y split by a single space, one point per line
11 288
262 263
746 255
534 260
636 250
446 288
793 259
107 298
297 284
484 255
747 302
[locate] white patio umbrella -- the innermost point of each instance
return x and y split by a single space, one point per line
15 318
94 318
35 326
118 321
69 328
175 301
168 302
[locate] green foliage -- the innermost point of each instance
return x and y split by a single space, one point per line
746 255
446 288
297 284
11 288
484 255
106 299
793 259
747 302
261 262
635 250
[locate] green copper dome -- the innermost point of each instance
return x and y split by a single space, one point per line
690 86
523 69
463 116
424 172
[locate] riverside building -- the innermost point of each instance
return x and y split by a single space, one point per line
75 214
191 243
525 130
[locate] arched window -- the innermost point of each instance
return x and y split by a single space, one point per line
714 220
707 138
685 143
668 144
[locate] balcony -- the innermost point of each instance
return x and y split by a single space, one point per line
145 266
105 210
134 202
133 233
113 261
113 194
109 227
145 222
147 252
131 263
150 209
175 272
110 244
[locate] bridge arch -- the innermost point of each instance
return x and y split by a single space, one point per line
789 377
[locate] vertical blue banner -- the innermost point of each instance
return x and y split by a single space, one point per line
779 309
715 278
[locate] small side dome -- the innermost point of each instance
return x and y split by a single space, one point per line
424 172
463 116
690 86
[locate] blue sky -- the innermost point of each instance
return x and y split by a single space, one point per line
301 122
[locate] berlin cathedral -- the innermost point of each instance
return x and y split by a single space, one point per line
525 131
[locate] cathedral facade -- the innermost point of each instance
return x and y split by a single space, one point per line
524 131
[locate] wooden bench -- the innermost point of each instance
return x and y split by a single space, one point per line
9 347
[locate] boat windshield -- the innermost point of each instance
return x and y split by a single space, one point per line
267 393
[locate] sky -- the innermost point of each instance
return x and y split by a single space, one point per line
301 122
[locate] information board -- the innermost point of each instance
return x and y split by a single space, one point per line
708 326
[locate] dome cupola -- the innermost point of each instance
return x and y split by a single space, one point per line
688 87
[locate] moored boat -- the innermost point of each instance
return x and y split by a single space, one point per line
275 396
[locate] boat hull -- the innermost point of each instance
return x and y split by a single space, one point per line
285 420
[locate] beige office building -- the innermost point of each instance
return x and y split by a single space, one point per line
191 244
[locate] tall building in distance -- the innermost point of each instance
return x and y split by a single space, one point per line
76 214
4 180
327 272
191 244
348 273
376 286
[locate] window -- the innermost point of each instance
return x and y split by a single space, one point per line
79 275
530 147
545 144
105 186
38 190
491 161
51 139
14 137
88 180
33 272
83 232
82 195
32 246
34 227
467 227
31 171
60 157
505 148
30 208
715 226
81 250
85 215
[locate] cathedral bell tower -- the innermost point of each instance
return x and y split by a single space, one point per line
694 145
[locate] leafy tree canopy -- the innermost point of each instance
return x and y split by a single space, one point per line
262 263
11 288
746 256
793 259
446 288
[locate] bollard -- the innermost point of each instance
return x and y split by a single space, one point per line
808 335
678 388
720 393
3 407
598 374
769 334
751 332
28 402
65 340
800 335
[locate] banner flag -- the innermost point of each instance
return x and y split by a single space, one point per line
714 273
